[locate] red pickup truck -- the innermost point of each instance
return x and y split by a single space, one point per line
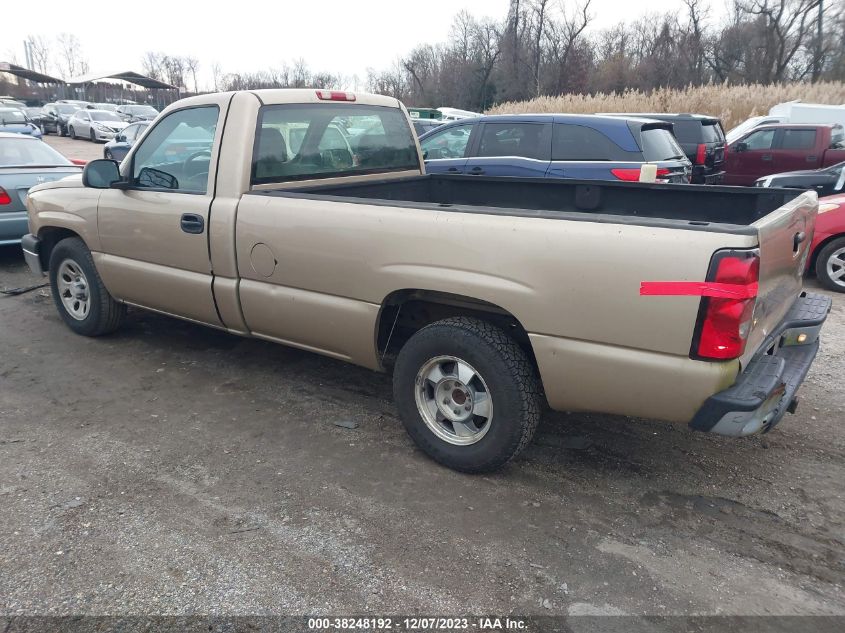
771 149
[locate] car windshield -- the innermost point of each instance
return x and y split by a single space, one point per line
66 108
29 152
102 115
11 115
659 144
141 109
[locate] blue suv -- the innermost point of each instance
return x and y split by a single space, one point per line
584 147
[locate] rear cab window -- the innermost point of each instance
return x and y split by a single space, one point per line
798 139
300 142
837 138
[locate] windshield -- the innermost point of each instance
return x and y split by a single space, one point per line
141 109
8 115
101 115
319 141
66 108
659 144
22 152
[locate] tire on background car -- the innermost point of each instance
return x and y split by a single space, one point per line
59 130
830 263
71 132
92 136
82 300
467 394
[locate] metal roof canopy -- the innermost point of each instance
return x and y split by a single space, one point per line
129 77
29 75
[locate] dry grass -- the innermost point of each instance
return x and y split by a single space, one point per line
732 104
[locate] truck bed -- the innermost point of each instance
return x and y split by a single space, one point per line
724 209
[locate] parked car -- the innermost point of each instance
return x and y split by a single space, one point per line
123 141
556 146
825 182
16 121
774 149
95 125
736 133
827 255
35 115
702 139
6 102
790 112
133 113
25 162
75 102
486 297
55 117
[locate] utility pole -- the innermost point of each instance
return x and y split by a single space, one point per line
817 56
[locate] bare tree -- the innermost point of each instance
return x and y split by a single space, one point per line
39 51
71 60
193 64
217 75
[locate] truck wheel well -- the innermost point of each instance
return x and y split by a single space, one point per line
50 236
811 269
404 312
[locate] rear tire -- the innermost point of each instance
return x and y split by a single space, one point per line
82 300
830 265
467 394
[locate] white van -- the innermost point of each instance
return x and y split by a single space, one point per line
790 112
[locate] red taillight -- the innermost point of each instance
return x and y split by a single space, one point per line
335 95
4 197
724 322
78 161
633 175
701 154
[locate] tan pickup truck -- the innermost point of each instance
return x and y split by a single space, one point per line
305 217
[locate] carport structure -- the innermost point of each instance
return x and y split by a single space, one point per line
39 86
113 88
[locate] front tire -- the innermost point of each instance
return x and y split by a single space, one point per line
72 132
60 131
92 136
82 300
830 265
467 394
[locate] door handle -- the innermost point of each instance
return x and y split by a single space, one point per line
766 157
812 159
453 170
192 223
478 171
797 239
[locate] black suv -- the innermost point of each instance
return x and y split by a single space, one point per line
702 139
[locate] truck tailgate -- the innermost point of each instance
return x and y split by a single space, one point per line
784 236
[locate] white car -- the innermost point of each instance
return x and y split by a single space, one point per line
95 125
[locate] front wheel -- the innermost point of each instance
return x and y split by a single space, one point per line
72 132
92 136
82 300
830 265
60 131
467 394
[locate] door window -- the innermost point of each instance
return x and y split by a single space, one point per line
449 143
761 139
798 139
130 132
579 142
513 139
177 152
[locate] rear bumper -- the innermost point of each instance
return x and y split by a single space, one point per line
12 226
31 246
765 391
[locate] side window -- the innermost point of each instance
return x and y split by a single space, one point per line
837 138
513 139
761 139
579 142
177 152
798 139
450 143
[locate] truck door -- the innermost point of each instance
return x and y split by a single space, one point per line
750 158
445 151
512 149
796 149
153 232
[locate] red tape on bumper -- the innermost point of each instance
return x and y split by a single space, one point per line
698 289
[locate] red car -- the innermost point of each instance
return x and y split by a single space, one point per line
828 249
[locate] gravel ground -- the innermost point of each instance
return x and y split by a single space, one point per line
175 469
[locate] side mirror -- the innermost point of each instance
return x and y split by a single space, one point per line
100 174
425 155
741 147
119 138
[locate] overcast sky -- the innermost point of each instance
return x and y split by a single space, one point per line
340 36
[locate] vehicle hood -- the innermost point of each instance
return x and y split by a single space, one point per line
72 181
113 125
18 128
20 181
802 172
